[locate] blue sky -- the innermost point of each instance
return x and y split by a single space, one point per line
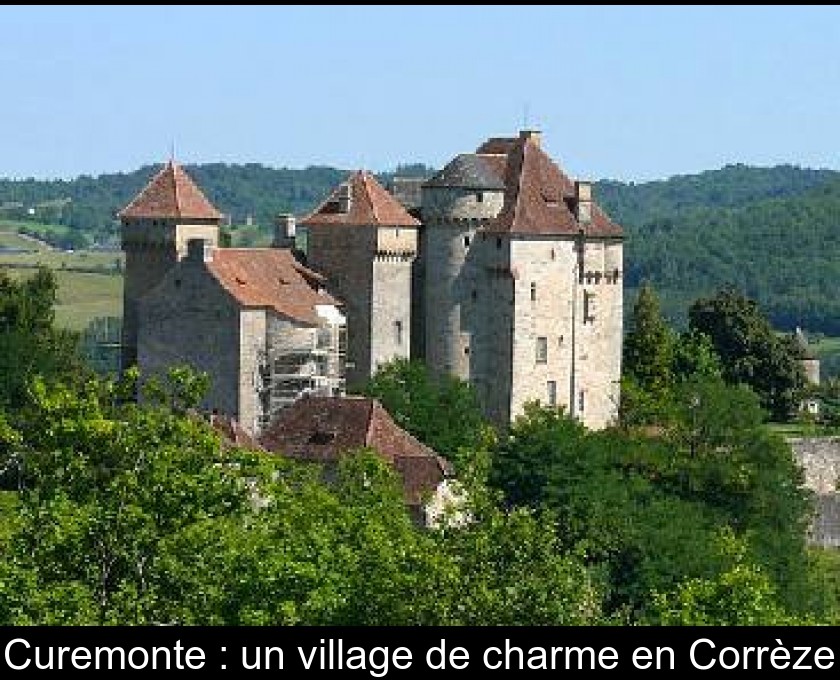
631 93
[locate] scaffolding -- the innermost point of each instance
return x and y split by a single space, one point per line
315 365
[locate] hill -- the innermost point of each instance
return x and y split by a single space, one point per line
82 211
771 232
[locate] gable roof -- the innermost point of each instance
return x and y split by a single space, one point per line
171 194
539 197
467 171
323 429
370 204
270 278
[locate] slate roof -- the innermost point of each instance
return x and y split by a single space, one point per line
467 171
323 429
171 194
271 278
370 204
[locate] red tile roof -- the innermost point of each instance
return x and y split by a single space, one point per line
271 278
539 197
171 194
322 429
370 204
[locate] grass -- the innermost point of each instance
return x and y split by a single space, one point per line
37 227
60 259
10 239
802 430
82 296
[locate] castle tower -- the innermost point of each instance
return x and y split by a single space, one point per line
156 226
523 283
809 359
364 242
466 195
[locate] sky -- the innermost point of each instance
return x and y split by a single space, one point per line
627 93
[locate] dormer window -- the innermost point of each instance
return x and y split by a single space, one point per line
321 438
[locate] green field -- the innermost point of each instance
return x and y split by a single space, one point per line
82 295
34 227
60 259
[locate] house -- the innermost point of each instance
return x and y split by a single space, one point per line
323 429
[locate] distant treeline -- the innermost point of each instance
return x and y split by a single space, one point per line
769 232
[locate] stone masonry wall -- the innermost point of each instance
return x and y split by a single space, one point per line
190 319
152 248
345 255
391 304
450 220
820 458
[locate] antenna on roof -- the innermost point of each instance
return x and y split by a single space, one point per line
172 151
525 116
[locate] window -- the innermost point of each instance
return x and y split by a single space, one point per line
479 197
542 350
581 400
499 242
533 292
588 307
466 241
398 327
552 393
474 295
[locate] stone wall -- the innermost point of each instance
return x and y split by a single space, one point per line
190 319
391 309
152 248
579 321
344 255
820 458
451 217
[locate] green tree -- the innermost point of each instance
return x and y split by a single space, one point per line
616 495
441 411
649 344
750 352
29 344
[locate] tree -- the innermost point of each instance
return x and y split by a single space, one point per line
29 344
750 352
649 510
442 412
649 344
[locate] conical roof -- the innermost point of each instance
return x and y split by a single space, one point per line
171 194
467 171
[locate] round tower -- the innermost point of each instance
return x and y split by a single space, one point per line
808 358
455 203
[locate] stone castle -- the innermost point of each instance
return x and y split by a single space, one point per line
499 270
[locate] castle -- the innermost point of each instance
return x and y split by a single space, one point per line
500 270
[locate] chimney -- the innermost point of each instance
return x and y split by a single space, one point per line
199 250
284 231
534 135
345 198
583 202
